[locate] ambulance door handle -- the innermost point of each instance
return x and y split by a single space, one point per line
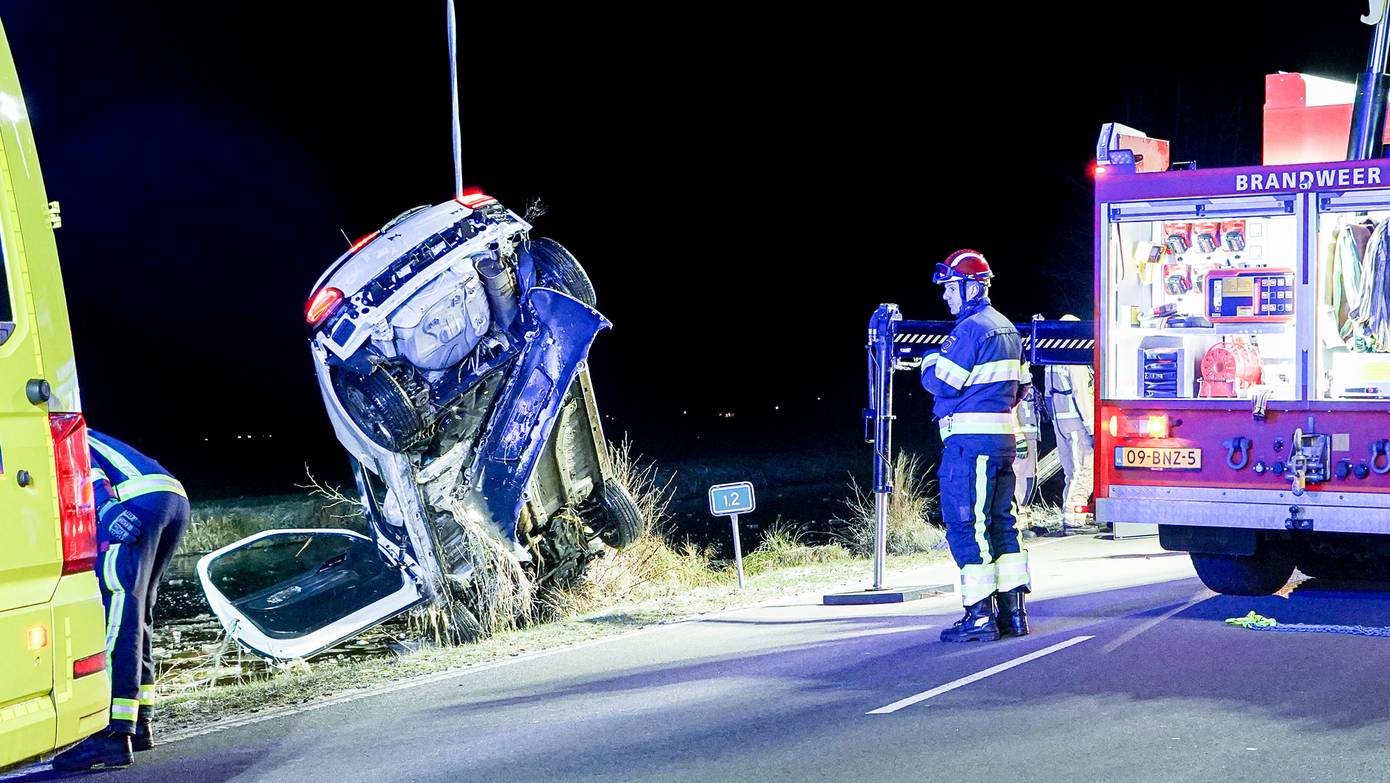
38 391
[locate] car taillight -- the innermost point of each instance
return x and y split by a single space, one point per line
76 508
474 198
322 305
363 241
92 664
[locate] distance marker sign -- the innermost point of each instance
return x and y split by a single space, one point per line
728 499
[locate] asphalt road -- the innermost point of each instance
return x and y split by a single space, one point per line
1137 683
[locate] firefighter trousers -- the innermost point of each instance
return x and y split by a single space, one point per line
1075 448
977 504
129 575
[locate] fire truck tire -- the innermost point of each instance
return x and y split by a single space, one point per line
557 268
1259 574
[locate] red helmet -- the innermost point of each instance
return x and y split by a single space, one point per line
963 265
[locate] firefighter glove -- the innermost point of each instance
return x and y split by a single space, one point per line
118 525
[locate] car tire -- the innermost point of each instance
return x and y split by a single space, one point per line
557 268
1262 573
622 519
380 408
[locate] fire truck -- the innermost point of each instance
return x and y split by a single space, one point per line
1243 342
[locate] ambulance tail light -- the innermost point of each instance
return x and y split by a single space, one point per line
321 305
1145 426
92 664
76 506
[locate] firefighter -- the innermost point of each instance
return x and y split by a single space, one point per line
1070 392
977 379
141 514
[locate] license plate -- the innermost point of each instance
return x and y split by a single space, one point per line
1158 458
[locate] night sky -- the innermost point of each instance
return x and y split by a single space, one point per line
743 188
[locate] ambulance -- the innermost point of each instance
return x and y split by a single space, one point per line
54 689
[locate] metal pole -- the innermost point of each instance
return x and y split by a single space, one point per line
454 91
1368 115
881 398
738 550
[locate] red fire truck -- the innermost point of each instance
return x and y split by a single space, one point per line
1243 345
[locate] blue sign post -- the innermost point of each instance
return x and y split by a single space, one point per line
730 500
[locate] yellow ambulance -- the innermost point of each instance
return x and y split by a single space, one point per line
54 687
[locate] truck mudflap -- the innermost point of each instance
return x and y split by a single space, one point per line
559 332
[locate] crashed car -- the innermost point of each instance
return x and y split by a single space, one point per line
450 349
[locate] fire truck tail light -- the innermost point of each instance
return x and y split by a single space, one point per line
1148 426
1158 426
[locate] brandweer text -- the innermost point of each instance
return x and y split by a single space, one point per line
1306 180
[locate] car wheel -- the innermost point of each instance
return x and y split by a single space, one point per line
557 268
380 408
622 519
1259 574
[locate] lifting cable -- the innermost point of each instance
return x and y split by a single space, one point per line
1256 622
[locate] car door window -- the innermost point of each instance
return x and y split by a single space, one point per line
291 593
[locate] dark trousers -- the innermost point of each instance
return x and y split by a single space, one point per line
129 575
976 479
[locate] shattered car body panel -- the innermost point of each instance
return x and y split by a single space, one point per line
450 350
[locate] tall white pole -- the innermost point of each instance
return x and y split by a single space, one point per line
454 90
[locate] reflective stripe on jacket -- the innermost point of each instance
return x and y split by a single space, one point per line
121 472
977 376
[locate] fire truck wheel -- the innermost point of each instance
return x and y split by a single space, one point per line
1259 574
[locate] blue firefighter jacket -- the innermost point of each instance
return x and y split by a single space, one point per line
120 472
977 378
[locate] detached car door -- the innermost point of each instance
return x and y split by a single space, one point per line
288 594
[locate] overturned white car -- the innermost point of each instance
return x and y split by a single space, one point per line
450 349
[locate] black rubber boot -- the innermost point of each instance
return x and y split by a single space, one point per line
107 749
978 624
144 731
1013 618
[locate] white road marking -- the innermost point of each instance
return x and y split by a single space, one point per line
977 676
1135 631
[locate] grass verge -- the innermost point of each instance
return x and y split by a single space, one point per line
327 678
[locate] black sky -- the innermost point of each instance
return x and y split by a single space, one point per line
744 187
